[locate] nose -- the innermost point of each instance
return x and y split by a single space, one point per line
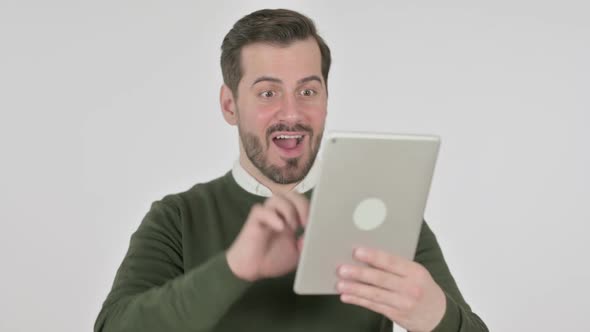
289 110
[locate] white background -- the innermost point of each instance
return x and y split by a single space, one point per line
107 106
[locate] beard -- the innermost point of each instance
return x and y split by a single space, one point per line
295 169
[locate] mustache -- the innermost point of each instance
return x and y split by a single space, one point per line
286 127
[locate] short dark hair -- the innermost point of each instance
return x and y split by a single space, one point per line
273 26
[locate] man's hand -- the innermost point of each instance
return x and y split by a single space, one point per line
397 288
267 245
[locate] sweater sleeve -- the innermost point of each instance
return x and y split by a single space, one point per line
152 292
458 316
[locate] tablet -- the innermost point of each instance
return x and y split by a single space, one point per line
372 191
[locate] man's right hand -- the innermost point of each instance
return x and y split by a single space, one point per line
267 245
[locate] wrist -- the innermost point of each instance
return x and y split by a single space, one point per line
238 269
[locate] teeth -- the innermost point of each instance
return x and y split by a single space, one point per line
288 136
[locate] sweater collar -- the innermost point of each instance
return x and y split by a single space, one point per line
251 185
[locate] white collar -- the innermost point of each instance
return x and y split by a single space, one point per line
251 185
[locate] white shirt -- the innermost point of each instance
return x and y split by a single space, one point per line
251 185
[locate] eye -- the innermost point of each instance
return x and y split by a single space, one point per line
308 92
268 94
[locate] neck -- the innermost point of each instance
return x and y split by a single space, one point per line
255 172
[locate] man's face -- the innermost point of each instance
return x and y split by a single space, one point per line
281 108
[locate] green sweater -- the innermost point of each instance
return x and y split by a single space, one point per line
175 277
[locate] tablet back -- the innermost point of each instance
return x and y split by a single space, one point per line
372 192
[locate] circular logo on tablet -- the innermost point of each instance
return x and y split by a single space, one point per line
369 214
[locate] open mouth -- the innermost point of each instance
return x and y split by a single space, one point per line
289 143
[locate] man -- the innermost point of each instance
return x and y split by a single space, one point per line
221 256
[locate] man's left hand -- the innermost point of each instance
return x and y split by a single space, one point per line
395 287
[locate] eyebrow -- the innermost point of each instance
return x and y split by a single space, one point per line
276 80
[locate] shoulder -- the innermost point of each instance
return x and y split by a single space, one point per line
171 214
199 195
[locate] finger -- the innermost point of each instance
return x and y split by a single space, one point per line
371 293
384 261
301 205
371 276
284 209
269 218
300 243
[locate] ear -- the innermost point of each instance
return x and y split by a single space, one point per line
228 105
